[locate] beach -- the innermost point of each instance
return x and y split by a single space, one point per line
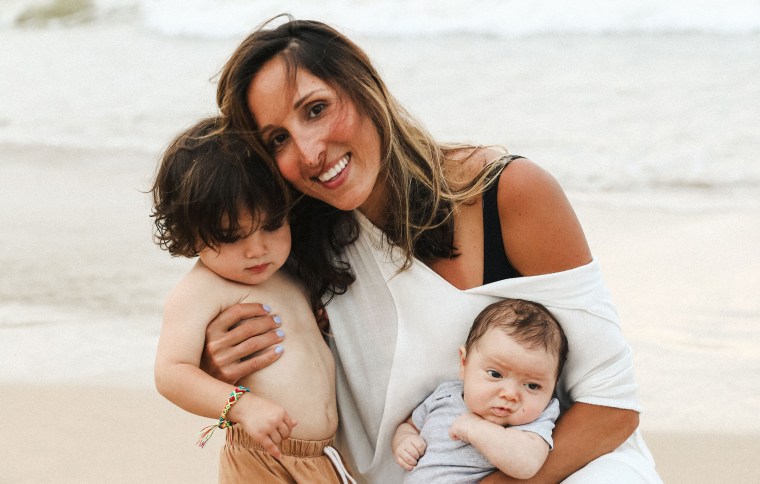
655 138
77 434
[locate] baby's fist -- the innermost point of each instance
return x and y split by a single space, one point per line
462 426
409 451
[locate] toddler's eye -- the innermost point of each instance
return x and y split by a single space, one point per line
533 386
493 373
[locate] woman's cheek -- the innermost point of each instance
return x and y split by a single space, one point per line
290 172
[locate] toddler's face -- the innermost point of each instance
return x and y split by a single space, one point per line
254 257
505 382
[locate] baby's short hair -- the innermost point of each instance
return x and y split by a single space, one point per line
529 323
207 178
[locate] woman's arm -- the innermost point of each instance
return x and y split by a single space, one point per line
582 434
543 235
540 229
238 332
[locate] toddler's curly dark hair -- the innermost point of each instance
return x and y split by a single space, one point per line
206 180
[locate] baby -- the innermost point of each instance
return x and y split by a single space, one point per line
215 199
500 415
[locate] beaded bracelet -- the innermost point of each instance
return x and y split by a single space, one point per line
206 432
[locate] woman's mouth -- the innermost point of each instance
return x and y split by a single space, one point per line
336 170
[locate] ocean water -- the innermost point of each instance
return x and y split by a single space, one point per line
643 96
405 18
629 104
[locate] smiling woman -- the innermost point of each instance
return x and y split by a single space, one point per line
416 223
322 144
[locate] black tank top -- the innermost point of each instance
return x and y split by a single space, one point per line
496 265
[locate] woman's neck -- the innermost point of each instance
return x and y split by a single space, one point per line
374 207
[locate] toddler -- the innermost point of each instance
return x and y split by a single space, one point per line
215 199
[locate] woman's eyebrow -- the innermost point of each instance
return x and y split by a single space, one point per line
296 105
299 102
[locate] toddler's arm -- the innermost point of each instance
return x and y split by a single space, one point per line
407 445
189 308
517 453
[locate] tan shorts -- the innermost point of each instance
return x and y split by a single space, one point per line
303 461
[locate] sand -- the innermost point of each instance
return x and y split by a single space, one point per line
79 434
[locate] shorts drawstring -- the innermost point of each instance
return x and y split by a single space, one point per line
339 467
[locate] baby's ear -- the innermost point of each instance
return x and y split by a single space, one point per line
462 361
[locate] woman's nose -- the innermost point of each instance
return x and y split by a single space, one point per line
311 149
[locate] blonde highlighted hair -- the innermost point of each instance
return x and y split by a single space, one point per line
419 198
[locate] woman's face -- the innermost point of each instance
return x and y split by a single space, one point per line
322 144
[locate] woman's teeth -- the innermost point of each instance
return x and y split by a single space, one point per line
335 170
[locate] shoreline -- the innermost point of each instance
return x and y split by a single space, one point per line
92 434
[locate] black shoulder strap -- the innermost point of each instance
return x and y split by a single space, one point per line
496 265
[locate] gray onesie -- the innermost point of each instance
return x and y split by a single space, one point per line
452 461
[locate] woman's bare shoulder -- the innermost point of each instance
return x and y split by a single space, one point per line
464 164
540 229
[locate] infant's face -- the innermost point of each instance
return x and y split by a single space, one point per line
504 382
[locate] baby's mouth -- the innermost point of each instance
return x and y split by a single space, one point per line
336 170
501 411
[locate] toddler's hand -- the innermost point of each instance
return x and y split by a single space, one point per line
409 450
462 425
267 423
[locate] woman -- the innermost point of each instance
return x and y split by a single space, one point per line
432 233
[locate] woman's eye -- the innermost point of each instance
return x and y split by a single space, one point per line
493 373
533 386
316 110
277 140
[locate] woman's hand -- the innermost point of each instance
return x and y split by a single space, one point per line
239 341
583 433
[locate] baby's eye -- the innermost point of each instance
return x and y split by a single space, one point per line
316 110
493 373
533 386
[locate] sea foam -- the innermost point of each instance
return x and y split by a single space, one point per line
405 18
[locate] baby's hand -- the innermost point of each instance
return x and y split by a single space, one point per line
462 425
409 450
267 423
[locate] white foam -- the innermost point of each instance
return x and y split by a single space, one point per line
411 18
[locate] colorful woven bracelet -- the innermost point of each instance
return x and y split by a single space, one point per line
223 423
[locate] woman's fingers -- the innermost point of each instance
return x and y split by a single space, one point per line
255 363
238 332
254 335
231 316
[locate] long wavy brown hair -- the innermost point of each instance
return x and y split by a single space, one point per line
420 200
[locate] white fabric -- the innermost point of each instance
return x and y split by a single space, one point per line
396 335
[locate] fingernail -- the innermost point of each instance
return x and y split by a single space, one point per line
277 320
279 349
280 333
267 308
